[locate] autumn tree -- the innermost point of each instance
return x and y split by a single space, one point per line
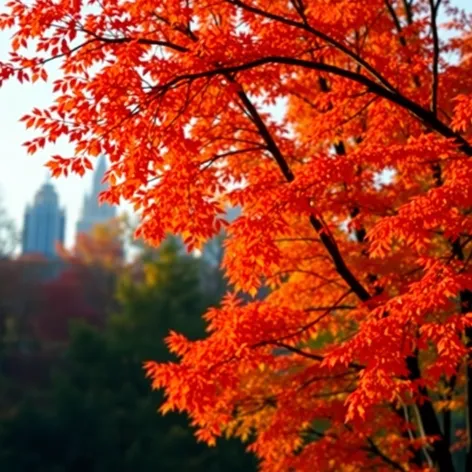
361 355
102 246
92 267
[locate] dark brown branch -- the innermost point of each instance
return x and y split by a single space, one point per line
434 28
285 240
447 412
325 238
396 21
401 36
309 355
69 52
146 41
332 308
440 452
319 34
208 162
407 6
426 116
306 327
300 9
371 448
324 378
385 458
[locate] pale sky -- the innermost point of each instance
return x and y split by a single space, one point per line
21 175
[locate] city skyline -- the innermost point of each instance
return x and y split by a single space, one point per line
44 223
45 219
20 174
92 212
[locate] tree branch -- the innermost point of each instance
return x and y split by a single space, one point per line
408 11
371 448
384 457
325 238
309 355
319 34
396 21
401 36
434 27
440 452
426 116
146 41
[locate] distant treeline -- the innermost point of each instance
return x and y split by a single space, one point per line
73 339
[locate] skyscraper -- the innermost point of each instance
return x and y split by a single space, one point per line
44 223
92 212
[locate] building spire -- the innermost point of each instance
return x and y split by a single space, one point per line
100 170
92 212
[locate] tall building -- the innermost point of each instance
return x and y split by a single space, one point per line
44 223
92 212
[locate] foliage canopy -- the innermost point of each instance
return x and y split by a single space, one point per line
361 353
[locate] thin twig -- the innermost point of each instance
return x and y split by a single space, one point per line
434 27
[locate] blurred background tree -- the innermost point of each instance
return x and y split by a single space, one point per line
9 236
97 412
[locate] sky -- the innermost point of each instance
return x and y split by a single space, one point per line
21 175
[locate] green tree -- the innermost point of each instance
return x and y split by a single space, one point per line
162 292
101 412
